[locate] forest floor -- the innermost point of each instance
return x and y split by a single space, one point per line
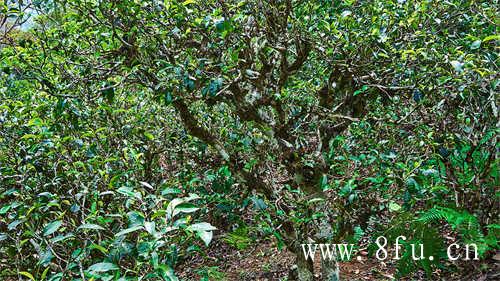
262 261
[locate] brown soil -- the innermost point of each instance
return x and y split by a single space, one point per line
262 261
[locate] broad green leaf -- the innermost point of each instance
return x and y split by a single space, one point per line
51 228
491 37
394 207
204 226
206 236
150 227
135 218
168 273
4 209
458 66
91 226
475 45
204 231
258 203
35 122
149 136
103 267
360 91
128 230
185 208
60 238
177 201
170 190
127 190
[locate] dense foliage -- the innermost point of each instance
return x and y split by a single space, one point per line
131 131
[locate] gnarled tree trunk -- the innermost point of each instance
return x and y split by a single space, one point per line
330 270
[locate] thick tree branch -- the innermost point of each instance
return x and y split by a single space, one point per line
195 129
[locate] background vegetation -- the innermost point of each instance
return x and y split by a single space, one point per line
135 134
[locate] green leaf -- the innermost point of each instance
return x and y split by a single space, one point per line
394 207
346 13
135 218
35 122
202 226
29 136
314 200
458 66
491 37
98 247
185 208
60 238
360 91
146 185
103 267
150 227
149 136
51 228
91 226
128 230
475 45
127 190
170 190
206 236
27 274
167 273
203 230
4 209
258 203
187 2
171 208
44 273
